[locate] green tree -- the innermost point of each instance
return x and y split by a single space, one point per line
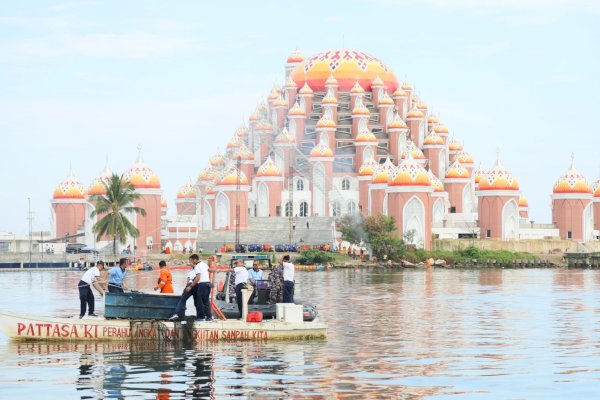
380 231
113 206
350 225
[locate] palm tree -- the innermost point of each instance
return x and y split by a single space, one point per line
113 206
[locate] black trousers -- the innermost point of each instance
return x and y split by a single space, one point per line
238 295
203 301
180 310
288 291
112 288
86 297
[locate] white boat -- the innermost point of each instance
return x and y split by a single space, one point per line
32 327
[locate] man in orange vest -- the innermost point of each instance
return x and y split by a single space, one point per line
165 279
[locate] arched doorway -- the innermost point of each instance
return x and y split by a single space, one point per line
413 217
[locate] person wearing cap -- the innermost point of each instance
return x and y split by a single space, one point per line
165 279
86 296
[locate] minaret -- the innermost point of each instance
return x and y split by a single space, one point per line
385 106
293 60
331 85
321 159
498 204
356 92
414 119
68 207
296 118
455 182
285 151
442 131
378 186
523 208
231 191
454 147
164 206
330 104
366 145
269 185
439 201
264 131
409 202
466 161
306 98
596 201
397 131
365 176
234 144
434 150
415 153
186 199
246 158
409 94
432 122
572 208
327 125
291 90
376 90
359 112
400 98
280 106
273 95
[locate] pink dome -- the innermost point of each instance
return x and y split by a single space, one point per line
70 188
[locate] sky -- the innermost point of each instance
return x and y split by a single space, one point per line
82 82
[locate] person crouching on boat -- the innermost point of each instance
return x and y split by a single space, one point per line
116 277
198 285
86 296
165 279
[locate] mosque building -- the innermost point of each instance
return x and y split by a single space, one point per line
341 136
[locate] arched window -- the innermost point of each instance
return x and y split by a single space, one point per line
288 209
300 185
345 184
351 207
304 209
336 209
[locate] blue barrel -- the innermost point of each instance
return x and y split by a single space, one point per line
136 305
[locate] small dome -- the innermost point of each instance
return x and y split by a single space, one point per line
163 202
295 58
414 113
360 108
368 167
596 188
280 102
433 139
243 153
268 168
296 110
421 106
386 100
478 173
498 178
321 150
572 182
329 99
356 89
263 126
70 188
523 202
141 176
211 189
305 89
455 145
406 86
413 150
365 135
377 82
410 173
290 84
383 172
399 93
235 142
97 187
231 176
326 122
253 117
207 174
456 170
331 81
465 158
441 130
187 191
285 137
397 123
275 92
432 119
436 183
242 131
217 160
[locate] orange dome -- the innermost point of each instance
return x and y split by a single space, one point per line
242 153
326 122
360 108
356 89
455 145
523 202
217 160
397 123
295 58
290 84
331 81
414 113
377 82
97 187
305 89
399 93
285 137
498 178
70 188
465 158
268 168
235 142
231 176
441 129
187 191
456 170
242 131
572 182
368 168
596 188
478 173
296 110
433 139
263 126
406 86
432 119
163 202
280 102
207 174
413 150
345 65
410 173
386 100
365 135
210 189
329 98
383 172
275 92
436 183
321 150
142 177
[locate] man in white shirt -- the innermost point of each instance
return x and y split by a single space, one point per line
241 277
86 296
198 286
288 279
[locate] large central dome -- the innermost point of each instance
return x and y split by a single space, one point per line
346 66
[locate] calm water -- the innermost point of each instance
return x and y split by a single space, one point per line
492 334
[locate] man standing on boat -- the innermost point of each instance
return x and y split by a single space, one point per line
198 286
165 279
241 277
255 274
86 296
116 277
288 279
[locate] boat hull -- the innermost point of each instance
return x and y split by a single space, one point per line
31 327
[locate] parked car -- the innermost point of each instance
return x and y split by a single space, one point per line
253 248
74 248
241 248
280 248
